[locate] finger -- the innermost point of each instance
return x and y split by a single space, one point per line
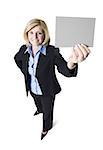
80 53
87 49
84 51
76 53
73 57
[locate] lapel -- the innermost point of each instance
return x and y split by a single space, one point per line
42 62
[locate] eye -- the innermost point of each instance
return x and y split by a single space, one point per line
40 33
31 32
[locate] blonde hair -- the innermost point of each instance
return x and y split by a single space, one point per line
33 23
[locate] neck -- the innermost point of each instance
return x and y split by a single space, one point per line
35 49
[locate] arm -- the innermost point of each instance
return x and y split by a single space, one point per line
18 56
62 65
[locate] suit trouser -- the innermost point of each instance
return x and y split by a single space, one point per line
45 105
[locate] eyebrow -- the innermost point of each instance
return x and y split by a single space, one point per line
37 31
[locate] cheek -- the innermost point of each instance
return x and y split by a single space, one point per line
41 38
29 38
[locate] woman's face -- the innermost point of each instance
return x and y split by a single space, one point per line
36 36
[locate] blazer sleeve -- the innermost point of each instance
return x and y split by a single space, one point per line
18 56
62 67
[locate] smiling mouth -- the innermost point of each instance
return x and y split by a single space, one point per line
35 40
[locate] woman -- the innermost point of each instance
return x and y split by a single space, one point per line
37 60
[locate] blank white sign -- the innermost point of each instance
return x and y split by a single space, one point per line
74 30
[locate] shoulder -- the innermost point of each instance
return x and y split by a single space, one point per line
21 51
23 48
52 49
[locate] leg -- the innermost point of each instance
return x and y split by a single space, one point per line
37 100
47 105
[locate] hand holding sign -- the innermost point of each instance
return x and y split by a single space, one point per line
79 54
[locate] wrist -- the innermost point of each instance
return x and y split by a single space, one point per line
71 65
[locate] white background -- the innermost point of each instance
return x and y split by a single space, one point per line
78 112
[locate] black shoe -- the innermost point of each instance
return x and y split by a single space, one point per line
36 113
43 135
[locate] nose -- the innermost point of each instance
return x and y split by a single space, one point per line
35 35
